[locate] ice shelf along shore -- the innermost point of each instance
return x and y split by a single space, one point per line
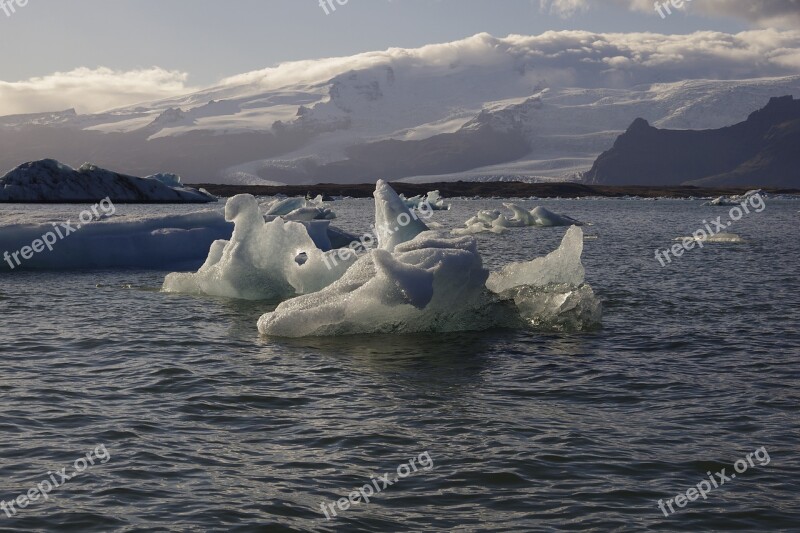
416 280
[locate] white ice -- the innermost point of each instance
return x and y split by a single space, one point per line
496 222
50 181
179 241
394 221
424 281
262 260
717 238
298 210
432 200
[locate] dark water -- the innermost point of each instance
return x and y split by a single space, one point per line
211 428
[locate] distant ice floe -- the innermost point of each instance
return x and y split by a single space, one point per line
718 238
729 201
50 181
298 209
432 200
496 222
424 281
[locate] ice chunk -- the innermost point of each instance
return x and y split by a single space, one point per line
436 202
719 238
431 201
726 201
430 283
496 222
549 292
721 201
177 241
284 206
545 217
561 266
437 284
298 210
395 223
260 262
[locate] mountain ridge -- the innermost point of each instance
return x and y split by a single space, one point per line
478 107
760 151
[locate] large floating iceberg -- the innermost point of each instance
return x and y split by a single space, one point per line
50 181
423 281
416 280
177 241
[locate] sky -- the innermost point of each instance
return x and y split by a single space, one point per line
135 50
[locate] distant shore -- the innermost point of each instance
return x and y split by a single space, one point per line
485 190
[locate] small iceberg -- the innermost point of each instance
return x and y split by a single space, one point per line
298 210
432 201
262 260
496 222
730 201
717 238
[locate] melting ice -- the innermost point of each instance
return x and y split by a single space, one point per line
496 222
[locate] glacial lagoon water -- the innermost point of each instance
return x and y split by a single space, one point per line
210 427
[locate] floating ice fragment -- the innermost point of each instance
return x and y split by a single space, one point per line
298 210
561 266
260 260
432 201
718 238
496 222
394 222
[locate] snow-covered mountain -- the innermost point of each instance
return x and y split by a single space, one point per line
481 108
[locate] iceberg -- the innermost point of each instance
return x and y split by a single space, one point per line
428 284
495 222
729 201
432 200
262 260
50 181
177 241
419 280
550 292
394 222
717 238
298 210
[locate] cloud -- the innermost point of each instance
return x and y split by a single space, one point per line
553 59
89 90
563 58
762 13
